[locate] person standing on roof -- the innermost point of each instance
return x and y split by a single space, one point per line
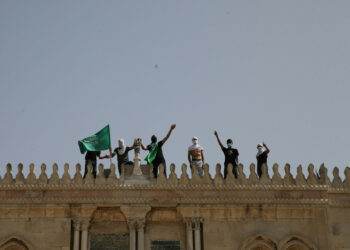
196 156
261 157
155 156
231 155
122 153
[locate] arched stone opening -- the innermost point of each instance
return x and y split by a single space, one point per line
259 242
108 229
296 242
15 243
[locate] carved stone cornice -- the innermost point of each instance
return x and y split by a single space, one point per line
126 196
168 187
111 202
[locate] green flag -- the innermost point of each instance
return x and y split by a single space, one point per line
152 153
99 141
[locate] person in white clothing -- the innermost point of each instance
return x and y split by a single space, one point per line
196 156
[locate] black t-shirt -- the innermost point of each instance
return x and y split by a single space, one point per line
262 159
159 157
230 155
91 155
122 158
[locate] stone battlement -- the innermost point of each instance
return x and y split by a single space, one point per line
311 181
138 212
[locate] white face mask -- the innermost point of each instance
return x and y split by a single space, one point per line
261 149
195 145
121 148
121 143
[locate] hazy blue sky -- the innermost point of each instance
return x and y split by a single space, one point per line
275 71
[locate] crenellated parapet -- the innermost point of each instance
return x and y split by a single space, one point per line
193 206
312 189
310 181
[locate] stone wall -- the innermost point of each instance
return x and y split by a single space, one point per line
39 226
68 212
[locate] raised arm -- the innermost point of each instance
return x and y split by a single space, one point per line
143 146
169 133
267 149
217 137
134 145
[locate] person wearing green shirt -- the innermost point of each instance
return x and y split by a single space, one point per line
155 156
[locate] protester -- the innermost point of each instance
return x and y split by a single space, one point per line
93 145
91 158
196 156
231 155
122 153
261 157
155 156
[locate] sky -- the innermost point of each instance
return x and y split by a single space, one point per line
272 71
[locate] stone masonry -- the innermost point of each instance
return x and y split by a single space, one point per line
68 212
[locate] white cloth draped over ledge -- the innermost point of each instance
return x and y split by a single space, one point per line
312 179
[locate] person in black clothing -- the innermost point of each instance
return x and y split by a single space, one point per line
91 158
231 155
261 157
122 153
159 158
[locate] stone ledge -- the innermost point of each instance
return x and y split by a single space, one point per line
97 201
171 186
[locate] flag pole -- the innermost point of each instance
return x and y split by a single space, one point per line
110 155
110 148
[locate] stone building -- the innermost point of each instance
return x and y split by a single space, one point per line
138 212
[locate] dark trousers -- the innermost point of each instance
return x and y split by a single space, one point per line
259 169
93 164
155 168
120 166
234 170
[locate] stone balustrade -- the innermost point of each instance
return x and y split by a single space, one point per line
312 180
